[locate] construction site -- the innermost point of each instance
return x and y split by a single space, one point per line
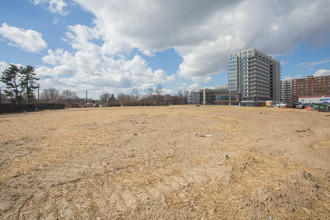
169 162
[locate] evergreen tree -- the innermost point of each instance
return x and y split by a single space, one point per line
10 78
28 82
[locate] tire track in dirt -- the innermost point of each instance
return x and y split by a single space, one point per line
128 192
153 167
137 187
97 197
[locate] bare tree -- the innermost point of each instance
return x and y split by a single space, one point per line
104 98
124 99
135 95
185 97
182 97
51 95
150 92
113 101
70 97
169 99
121 98
159 91
107 99
148 98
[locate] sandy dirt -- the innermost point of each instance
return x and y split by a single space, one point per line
148 163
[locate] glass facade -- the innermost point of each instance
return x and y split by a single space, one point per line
204 96
233 73
228 97
287 92
254 75
194 97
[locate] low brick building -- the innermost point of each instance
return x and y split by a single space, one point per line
310 86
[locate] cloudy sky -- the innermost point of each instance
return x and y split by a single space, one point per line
114 46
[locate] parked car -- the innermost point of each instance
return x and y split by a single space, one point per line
307 105
280 105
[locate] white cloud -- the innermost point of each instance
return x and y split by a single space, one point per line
141 73
28 40
284 62
204 33
59 56
314 63
80 37
202 61
91 69
54 6
168 91
57 6
201 33
289 78
194 86
3 66
45 72
322 72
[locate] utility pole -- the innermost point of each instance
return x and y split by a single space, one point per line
86 98
38 92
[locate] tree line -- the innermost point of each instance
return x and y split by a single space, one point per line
148 97
21 83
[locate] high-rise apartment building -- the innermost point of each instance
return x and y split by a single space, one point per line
286 91
255 75
310 86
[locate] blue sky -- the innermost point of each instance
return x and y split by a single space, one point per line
116 46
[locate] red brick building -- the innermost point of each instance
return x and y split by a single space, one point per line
310 86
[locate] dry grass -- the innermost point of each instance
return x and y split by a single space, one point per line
146 162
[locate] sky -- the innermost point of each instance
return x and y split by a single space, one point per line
116 46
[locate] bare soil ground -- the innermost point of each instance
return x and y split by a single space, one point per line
147 163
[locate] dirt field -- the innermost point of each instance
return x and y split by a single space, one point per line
148 163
